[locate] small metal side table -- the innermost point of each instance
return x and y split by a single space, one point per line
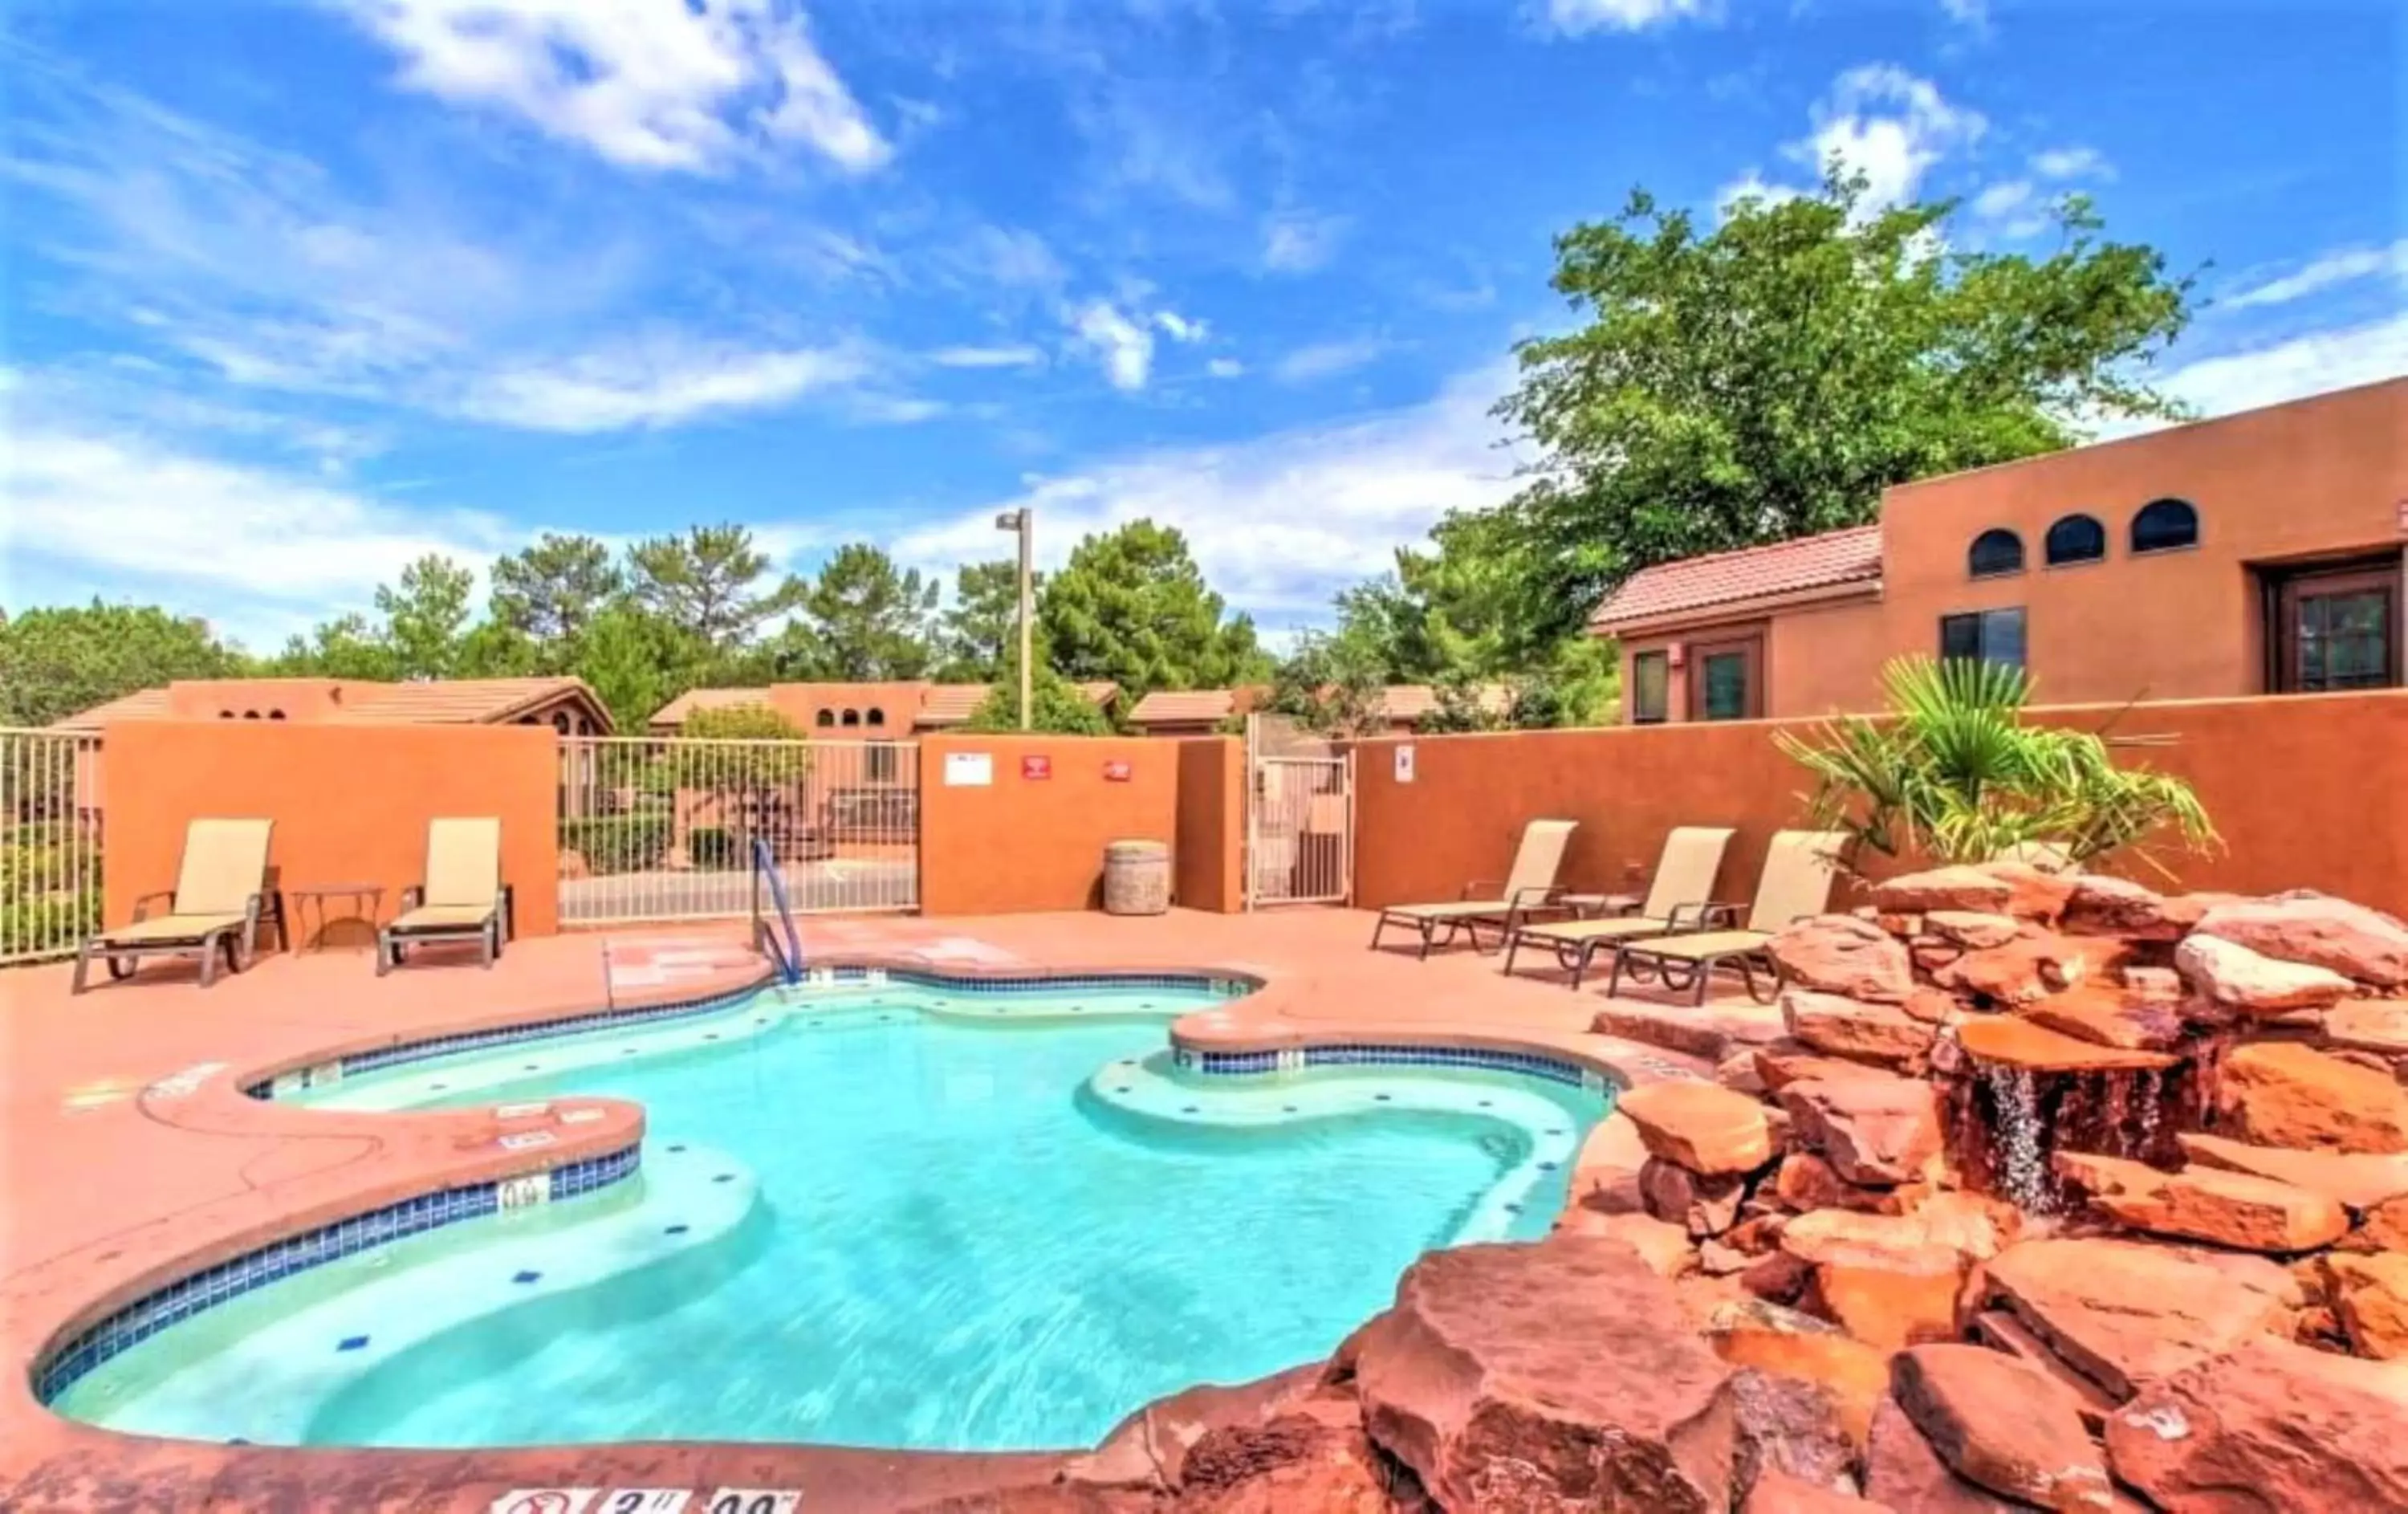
368 902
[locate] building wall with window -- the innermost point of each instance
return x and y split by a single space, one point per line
2260 552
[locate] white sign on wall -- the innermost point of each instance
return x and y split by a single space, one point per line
1405 763
969 769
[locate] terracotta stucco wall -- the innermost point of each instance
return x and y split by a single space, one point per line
350 802
2307 792
1209 853
802 704
1021 844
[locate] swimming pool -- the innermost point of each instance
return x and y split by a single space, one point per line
891 1215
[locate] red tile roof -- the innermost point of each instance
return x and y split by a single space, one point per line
435 702
951 704
679 710
1186 706
1673 589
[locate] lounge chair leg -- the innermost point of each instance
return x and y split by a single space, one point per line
385 953
1429 929
1376 928
210 961
1512 945
1580 963
1614 979
83 965
486 946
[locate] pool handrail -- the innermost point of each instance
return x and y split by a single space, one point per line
788 955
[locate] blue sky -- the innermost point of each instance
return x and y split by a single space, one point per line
296 291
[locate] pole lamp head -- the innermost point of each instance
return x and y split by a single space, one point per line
1008 520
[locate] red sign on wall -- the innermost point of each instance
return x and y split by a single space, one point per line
1116 772
1036 768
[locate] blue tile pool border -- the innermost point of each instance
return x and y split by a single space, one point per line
1368 1053
176 1302
377 1059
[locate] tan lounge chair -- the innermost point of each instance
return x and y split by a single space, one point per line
1530 886
215 907
464 898
1797 882
1678 898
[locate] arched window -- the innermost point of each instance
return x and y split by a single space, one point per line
274 714
2163 525
876 716
853 718
826 717
225 714
251 715
2076 538
1995 550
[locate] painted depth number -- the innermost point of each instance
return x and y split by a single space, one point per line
645 1501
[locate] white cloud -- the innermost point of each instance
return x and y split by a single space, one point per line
1974 13
1280 522
1751 186
1575 17
1180 328
2271 373
1014 356
1297 241
659 84
653 383
2072 163
1124 347
1328 359
2003 199
2341 267
1889 125
1224 368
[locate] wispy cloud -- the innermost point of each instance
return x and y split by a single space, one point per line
1328 359
1298 242
687 85
653 383
1889 125
1011 355
2342 266
1123 347
1574 17
2269 373
2072 163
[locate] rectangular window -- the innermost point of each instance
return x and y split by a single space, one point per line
1651 687
1985 636
2339 630
881 763
1727 679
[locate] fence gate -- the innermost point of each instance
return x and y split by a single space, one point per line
1300 816
662 828
49 842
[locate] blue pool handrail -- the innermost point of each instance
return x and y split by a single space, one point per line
787 954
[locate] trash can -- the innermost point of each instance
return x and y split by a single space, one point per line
1137 877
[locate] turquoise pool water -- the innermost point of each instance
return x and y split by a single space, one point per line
951 1243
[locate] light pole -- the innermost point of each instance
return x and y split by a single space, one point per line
1023 521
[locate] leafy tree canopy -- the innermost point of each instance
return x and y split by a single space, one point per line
705 583
1133 607
1332 685
553 589
1768 377
869 622
426 615
980 629
55 662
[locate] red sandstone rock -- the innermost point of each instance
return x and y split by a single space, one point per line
2375 1025
1738 1072
2236 1210
2369 1293
2236 978
2104 906
1148 1449
1787 1061
1887 1296
1871 1032
1701 1205
2032 967
1553 1376
2012 1041
2033 893
1776 1277
2126 1313
1703 1126
1303 1459
2349 939
1963 888
2278 1093
2001 1424
2002 1332
1903 1472
1972 928
1790 1344
2385 1228
1664 1246
1872 1130
1790 1426
2110 1018
1777 1492
2271 1426
1805 1181
1933 1007
2358 1181
1842 955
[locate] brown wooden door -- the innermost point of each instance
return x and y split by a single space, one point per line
1727 679
2339 630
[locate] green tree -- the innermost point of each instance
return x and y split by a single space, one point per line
1952 774
756 780
344 647
869 621
1133 607
980 629
636 661
55 662
705 583
1334 685
552 590
427 617
1768 377
1059 707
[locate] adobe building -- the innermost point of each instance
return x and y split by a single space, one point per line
2257 554
564 704
855 712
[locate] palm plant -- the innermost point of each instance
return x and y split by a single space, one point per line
1953 773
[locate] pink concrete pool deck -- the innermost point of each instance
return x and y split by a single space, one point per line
130 1155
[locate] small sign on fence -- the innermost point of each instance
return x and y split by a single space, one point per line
1116 771
1405 763
969 769
1036 770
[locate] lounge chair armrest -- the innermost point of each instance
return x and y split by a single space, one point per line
1482 889
1696 915
412 896
1718 914
142 905
1525 897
